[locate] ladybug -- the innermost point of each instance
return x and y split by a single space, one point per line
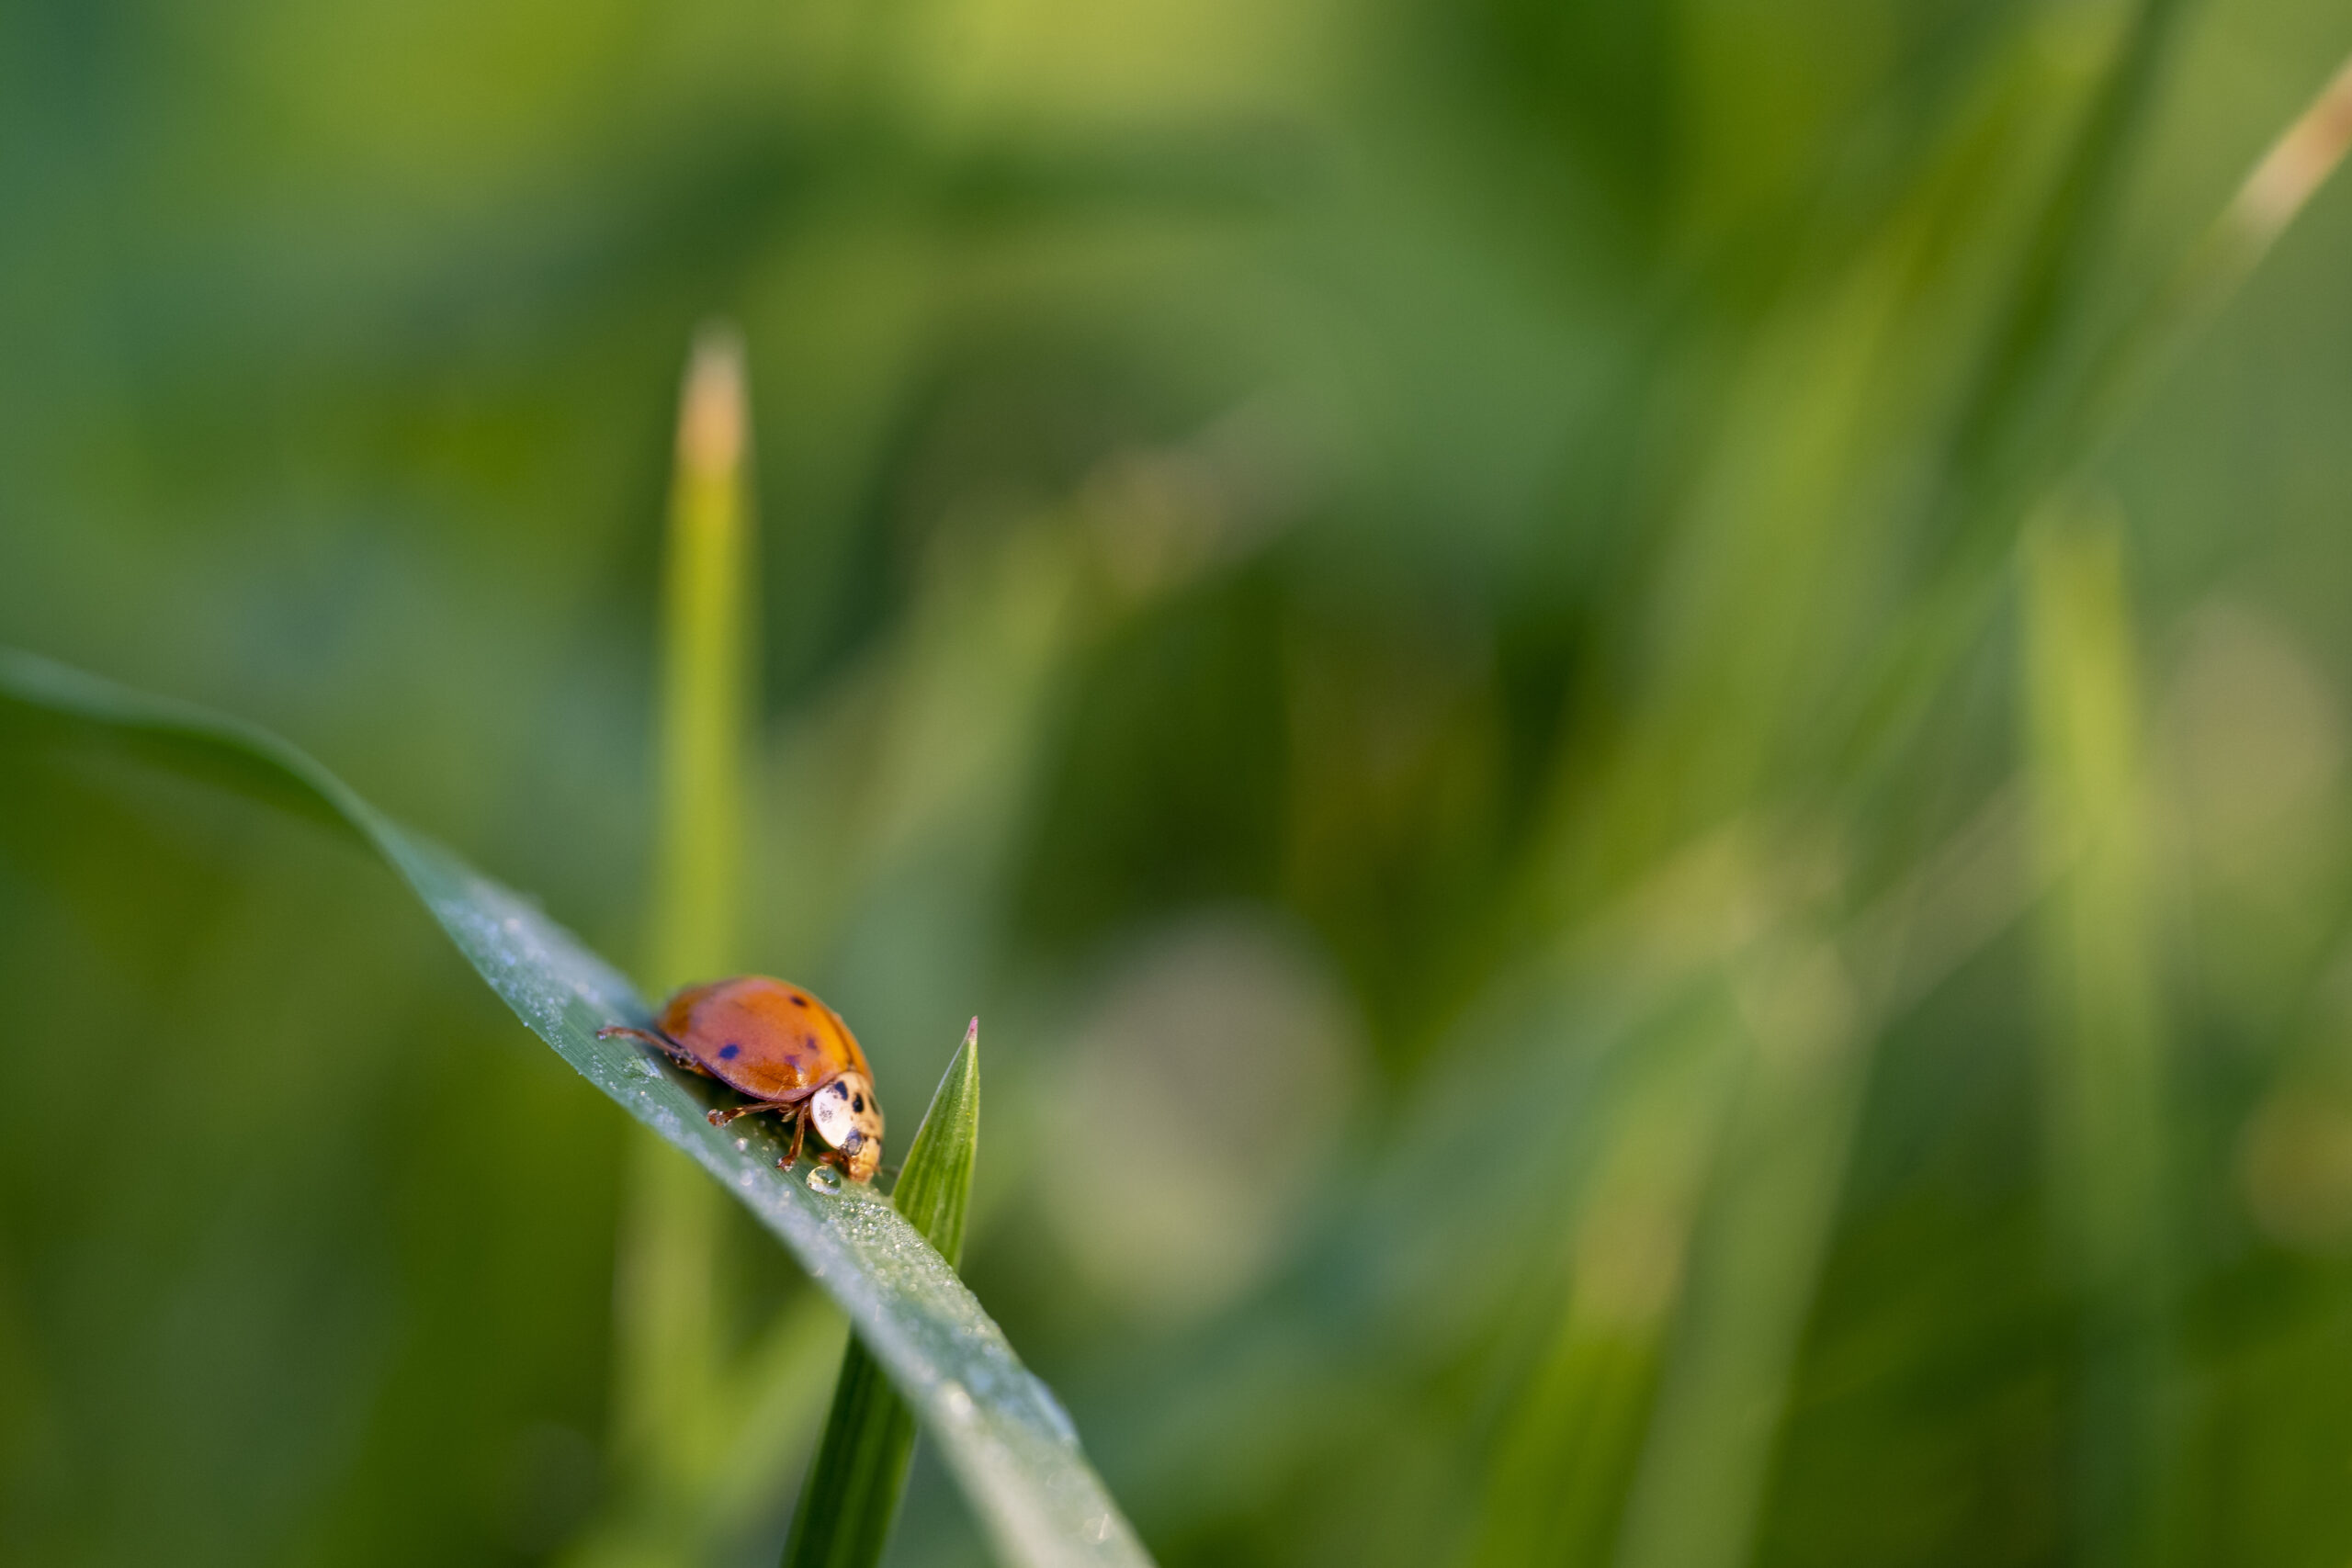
787 1052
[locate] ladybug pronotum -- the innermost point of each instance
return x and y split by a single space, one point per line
786 1052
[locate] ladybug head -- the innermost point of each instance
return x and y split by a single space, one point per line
847 1116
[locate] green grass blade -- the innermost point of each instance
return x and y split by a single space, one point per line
851 1497
708 657
2057 266
2060 430
936 1185
1756 1257
2104 1056
668 1379
1004 1438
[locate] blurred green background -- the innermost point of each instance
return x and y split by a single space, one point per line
1630 907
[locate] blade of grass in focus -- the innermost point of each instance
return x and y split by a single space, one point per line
1003 1436
851 1496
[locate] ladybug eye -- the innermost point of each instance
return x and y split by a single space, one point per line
858 1104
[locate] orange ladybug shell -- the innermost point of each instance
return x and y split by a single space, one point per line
764 1038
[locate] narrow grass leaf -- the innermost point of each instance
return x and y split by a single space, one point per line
1004 1438
851 1496
2103 1049
669 1387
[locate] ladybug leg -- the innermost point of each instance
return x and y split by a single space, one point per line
663 1042
800 1131
720 1117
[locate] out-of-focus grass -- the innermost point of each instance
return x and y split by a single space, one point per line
677 1438
2104 1049
1455 565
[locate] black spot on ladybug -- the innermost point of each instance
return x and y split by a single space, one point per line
800 1001
858 1104
731 1050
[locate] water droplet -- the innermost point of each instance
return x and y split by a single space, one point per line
822 1180
743 1142
959 1403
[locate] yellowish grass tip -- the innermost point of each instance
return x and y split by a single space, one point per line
711 416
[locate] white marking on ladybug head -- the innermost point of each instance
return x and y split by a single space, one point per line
847 1116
